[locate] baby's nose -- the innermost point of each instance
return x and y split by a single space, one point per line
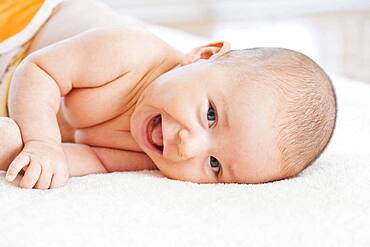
191 144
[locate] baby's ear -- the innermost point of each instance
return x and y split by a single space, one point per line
208 51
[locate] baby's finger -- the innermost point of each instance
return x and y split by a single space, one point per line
45 179
31 175
59 179
16 166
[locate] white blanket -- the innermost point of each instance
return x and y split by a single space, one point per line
326 205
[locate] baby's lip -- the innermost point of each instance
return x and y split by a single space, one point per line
155 132
146 130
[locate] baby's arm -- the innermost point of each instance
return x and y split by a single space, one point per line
91 59
81 159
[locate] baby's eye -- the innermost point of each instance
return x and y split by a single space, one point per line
215 165
211 115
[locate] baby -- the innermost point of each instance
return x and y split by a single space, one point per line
97 92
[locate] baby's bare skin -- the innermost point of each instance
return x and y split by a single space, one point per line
91 102
126 58
10 148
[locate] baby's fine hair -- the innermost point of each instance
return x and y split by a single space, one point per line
307 108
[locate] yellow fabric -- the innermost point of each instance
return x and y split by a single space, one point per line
7 77
15 15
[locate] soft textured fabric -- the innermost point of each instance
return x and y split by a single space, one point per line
15 15
20 20
326 205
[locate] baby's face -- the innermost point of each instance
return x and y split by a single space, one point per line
211 130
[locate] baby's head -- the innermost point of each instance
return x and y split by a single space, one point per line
241 116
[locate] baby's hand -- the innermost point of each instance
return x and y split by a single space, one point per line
44 163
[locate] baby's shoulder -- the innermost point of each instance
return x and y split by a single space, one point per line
137 47
146 50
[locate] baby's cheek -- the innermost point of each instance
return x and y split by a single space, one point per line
171 171
168 173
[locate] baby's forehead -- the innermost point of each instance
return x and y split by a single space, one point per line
244 94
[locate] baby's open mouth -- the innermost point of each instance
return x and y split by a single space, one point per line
155 135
